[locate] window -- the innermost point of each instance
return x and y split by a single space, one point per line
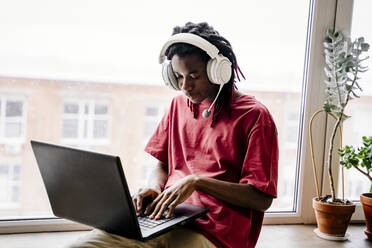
114 57
12 120
85 122
10 182
291 132
153 116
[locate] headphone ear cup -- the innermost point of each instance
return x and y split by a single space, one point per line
219 70
169 78
210 66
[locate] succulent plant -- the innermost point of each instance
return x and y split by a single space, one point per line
343 59
360 158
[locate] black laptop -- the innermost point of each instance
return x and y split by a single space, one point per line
90 188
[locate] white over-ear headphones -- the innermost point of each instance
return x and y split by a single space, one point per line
218 67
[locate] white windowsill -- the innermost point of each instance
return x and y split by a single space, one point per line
40 225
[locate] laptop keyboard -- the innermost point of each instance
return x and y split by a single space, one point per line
146 222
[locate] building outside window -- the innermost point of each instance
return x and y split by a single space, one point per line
153 115
78 52
291 132
10 182
85 122
12 120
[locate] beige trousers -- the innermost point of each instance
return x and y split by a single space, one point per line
178 238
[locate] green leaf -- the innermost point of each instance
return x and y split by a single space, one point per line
328 107
362 70
364 47
358 86
354 94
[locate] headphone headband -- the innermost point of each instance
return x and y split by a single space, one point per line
191 39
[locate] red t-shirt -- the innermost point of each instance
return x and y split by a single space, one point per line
240 149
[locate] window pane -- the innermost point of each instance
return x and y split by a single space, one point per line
360 109
16 172
150 127
100 109
99 64
152 111
13 129
9 189
14 108
86 108
4 170
70 129
71 108
15 193
100 129
291 136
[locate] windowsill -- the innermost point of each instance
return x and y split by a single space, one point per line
303 236
285 235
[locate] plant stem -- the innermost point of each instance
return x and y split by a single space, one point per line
329 162
364 173
339 119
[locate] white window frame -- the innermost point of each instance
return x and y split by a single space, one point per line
323 14
81 116
326 14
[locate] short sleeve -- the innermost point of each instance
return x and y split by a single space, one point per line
260 166
157 146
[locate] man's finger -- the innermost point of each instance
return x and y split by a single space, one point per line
171 207
161 210
149 208
139 204
158 205
172 198
163 205
153 204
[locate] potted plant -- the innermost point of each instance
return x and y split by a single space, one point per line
343 66
361 160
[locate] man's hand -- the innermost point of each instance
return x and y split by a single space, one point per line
171 197
139 197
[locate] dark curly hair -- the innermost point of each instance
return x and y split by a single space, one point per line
207 32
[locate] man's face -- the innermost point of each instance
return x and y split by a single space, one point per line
192 78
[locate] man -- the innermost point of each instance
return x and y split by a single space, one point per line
226 162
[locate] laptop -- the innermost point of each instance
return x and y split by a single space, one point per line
90 188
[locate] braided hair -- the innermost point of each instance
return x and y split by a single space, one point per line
183 49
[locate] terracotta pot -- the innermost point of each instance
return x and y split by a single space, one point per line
366 200
332 219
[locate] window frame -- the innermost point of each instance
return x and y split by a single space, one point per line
322 15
